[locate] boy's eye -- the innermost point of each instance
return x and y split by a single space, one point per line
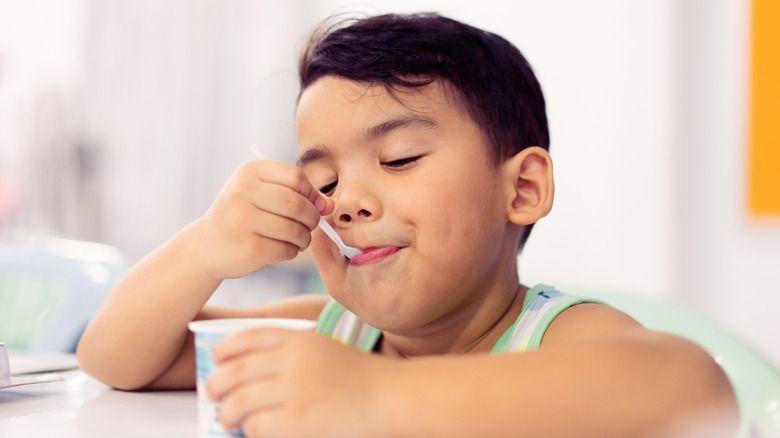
401 162
327 189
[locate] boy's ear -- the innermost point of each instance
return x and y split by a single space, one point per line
529 183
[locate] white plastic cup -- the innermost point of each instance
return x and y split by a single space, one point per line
208 333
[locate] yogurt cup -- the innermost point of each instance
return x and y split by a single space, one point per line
208 333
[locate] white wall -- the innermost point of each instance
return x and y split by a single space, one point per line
727 260
178 91
40 67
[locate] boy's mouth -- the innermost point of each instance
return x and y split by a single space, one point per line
373 255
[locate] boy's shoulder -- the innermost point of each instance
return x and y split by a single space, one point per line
589 320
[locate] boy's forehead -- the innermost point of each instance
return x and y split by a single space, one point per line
329 96
331 90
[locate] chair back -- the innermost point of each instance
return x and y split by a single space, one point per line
755 380
50 288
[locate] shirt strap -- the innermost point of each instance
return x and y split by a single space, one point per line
344 326
542 304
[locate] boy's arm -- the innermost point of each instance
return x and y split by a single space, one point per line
140 340
598 373
141 327
263 215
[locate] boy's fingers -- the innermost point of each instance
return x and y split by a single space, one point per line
319 200
257 365
285 202
246 341
324 204
236 352
249 400
294 178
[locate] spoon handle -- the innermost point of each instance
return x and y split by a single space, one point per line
345 250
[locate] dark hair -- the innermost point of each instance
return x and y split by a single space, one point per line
488 76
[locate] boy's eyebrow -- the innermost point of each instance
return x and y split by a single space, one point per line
312 155
386 127
371 134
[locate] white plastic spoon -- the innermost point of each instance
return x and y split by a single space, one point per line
346 251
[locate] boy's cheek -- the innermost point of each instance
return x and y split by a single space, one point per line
330 264
322 249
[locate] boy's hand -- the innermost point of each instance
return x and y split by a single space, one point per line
263 215
277 382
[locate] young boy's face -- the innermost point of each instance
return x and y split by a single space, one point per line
415 188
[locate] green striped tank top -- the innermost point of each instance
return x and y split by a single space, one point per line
541 305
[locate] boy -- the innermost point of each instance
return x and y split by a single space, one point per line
423 141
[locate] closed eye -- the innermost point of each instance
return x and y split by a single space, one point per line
395 164
328 189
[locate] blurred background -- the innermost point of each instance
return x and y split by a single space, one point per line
121 120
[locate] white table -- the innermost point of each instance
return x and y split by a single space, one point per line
79 406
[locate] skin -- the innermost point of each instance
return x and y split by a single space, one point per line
408 180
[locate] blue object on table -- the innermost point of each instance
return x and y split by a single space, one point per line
50 288
755 380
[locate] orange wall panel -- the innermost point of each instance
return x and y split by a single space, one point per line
764 125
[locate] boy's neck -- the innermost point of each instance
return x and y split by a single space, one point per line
478 335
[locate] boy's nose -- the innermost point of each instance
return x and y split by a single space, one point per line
356 201
346 217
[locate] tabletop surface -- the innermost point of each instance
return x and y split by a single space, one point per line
80 406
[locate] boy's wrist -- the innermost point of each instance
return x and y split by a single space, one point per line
188 243
416 399
396 410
